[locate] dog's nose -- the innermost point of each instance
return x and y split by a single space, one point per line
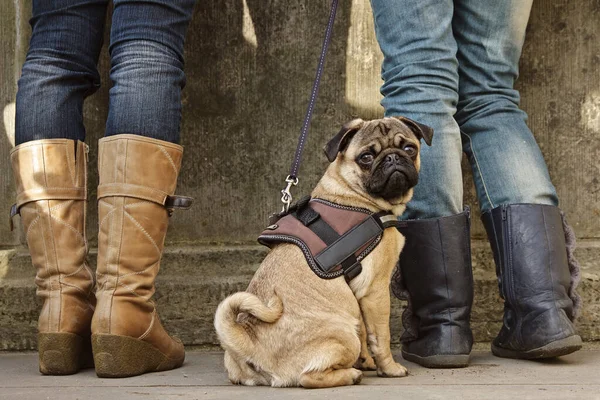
392 158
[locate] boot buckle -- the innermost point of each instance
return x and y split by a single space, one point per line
14 210
178 203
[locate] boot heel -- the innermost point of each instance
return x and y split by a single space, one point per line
439 361
63 353
118 356
554 349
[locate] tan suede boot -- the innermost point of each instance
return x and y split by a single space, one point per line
51 182
138 176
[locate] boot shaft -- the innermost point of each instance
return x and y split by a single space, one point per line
137 177
435 271
436 264
50 177
51 169
138 167
528 243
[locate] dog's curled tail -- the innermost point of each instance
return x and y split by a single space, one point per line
231 324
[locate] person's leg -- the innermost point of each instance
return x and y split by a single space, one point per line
60 69
528 234
421 82
49 165
138 166
420 74
508 166
146 51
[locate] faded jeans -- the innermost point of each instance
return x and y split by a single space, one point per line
146 49
452 64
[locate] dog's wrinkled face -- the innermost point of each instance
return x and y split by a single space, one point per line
380 157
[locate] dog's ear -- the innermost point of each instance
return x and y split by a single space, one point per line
421 131
339 142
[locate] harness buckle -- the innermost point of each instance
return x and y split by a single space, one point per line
286 197
352 272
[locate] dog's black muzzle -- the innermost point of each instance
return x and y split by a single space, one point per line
393 176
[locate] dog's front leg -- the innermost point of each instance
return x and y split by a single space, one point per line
375 308
365 362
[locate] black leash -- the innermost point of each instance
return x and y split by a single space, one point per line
292 178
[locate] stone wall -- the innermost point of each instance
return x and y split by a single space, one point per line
250 66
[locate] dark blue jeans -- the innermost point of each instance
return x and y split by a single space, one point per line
146 49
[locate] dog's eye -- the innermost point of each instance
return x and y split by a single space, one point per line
410 150
366 158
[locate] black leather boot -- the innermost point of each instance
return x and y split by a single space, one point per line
436 278
528 242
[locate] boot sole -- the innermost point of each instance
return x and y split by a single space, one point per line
118 356
554 349
439 361
63 353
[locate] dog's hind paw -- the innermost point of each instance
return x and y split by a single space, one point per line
357 377
392 370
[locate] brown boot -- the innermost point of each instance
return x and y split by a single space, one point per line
138 176
51 180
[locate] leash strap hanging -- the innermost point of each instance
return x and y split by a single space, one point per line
292 178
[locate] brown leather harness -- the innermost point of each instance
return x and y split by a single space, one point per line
333 238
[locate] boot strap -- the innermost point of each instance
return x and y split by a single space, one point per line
170 202
38 194
51 194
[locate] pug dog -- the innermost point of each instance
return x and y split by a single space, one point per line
292 328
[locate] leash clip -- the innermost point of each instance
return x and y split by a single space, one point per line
286 197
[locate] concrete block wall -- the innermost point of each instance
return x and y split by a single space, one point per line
249 67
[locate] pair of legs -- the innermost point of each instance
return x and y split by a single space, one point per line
451 64
60 71
114 320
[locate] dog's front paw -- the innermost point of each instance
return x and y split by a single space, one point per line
392 370
365 363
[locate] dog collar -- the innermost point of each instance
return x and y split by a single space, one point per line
333 238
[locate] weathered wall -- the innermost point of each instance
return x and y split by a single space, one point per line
250 66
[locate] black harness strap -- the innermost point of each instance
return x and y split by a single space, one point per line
348 244
324 231
313 221
351 267
344 244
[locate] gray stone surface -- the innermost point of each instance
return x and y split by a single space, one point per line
203 377
194 280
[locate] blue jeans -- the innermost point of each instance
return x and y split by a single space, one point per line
452 64
146 49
